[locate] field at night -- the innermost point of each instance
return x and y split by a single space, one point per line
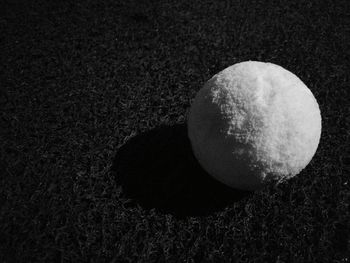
95 162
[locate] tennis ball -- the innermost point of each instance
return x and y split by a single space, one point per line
254 123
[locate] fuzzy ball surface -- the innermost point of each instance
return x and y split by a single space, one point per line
254 123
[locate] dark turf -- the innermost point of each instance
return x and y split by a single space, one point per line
79 79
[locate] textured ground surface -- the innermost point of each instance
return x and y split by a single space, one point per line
79 79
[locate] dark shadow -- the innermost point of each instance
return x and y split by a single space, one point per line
158 170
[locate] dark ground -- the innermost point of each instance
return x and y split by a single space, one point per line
79 79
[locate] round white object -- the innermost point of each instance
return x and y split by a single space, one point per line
254 123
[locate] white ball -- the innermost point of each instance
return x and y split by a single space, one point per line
254 123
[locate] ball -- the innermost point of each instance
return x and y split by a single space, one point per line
254 123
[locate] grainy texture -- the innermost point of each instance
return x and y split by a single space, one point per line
79 78
253 123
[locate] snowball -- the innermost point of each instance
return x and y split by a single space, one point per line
254 123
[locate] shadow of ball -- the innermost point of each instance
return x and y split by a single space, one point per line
157 169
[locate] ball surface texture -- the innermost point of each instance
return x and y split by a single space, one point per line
254 123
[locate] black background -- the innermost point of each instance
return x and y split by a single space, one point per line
79 79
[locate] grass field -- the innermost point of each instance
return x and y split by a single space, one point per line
81 81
